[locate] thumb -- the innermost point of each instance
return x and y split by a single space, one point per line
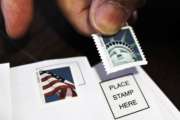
108 16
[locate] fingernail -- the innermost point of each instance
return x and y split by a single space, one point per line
109 18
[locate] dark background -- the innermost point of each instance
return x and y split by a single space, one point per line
51 36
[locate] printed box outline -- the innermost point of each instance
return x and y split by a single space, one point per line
109 102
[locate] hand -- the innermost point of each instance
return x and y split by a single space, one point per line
103 16
87 16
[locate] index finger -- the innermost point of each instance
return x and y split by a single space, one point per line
77 12
17 15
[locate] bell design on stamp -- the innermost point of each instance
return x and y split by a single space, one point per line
120 52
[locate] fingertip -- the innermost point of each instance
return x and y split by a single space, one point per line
17 16
109 17
15 30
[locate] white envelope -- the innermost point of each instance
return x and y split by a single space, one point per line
125 95
167 108
141 94
5 93
27 98
161 102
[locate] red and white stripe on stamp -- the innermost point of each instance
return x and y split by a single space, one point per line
51 85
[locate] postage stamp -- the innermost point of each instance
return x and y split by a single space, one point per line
120 51
56 83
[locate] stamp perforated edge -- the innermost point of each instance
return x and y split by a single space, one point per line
54 66
100 45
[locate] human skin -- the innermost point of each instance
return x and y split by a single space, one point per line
87 16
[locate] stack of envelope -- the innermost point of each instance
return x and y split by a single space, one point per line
70 89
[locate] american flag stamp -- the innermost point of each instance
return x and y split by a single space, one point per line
56 83
120 51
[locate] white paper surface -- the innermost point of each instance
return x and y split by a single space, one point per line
27 102
5 93
167 108
147 114
94 100
163 106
